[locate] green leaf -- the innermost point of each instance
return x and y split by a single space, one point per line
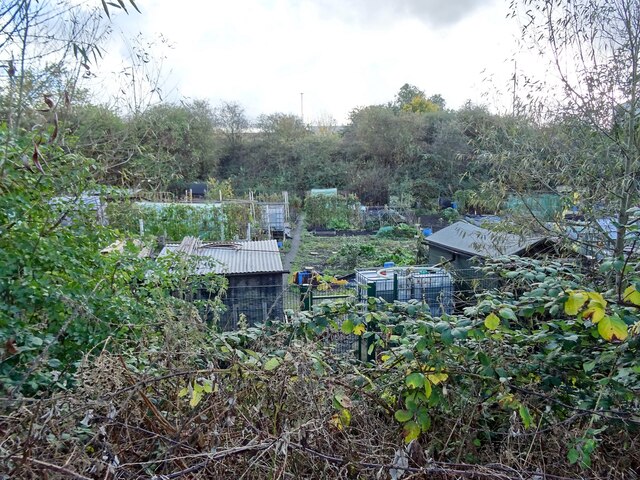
573 455
446 337
183 393
525 415
588 366
272 364
423 418
411 431
428 390
415 380
459 333
347 327
613 329
507 314
410 403
492 321
403 415
484 359
54 363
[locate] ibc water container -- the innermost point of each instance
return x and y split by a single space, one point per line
435 287
404 289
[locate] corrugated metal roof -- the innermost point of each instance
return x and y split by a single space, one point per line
472 240
234 258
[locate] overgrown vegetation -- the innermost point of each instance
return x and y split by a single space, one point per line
109 370
522 384
62 297
215 222
332 212
341 255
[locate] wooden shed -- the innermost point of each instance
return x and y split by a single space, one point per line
254 271
457 244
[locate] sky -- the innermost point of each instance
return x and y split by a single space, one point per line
340 54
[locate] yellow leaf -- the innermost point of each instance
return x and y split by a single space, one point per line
596 298
336 422
437 378
632 295
613 329
272 364
359 329
411 431
575 302
345 417
492 321
594 312
195 398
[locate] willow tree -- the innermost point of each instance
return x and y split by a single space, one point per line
584 110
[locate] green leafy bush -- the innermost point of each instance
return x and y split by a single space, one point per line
175 221
61 298
397 231
337 212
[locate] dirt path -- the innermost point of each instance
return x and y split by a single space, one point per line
290 256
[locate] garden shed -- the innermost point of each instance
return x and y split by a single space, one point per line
198 189
254 271
457 244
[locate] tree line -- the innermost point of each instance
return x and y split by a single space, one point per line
410 147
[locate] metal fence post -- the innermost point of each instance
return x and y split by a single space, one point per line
395 286
306 297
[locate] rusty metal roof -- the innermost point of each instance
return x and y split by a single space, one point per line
234 258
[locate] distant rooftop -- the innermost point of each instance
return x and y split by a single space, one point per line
468 239
231 258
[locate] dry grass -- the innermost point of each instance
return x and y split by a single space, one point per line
123 423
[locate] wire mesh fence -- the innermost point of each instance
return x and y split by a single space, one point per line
445 292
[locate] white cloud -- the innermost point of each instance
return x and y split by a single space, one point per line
263 53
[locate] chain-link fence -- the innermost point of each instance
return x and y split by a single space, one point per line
446 292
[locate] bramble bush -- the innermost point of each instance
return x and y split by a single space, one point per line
60 296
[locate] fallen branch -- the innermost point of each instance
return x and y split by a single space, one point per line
55 468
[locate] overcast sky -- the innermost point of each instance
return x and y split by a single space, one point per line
341 54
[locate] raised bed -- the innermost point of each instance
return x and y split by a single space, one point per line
341 233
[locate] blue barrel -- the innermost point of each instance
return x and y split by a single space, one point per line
427 231
454 205
389 264
303 278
